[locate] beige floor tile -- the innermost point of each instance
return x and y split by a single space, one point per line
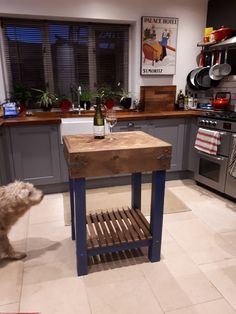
165 287
10 308
229 237
11 276
45 290
177 280
18 233
201 243
50 209
223 276
214 307
49 242
218 213
123 297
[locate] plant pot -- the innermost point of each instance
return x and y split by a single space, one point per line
109 103
85 104
126 103
47 109
65 105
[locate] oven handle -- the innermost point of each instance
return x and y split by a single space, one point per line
222 133
208 155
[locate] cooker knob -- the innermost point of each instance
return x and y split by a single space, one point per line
202 122
214 123
206 122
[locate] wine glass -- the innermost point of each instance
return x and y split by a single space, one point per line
111 119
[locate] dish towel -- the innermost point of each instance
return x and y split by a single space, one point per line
232 159
207 141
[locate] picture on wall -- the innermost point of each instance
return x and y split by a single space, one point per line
158 45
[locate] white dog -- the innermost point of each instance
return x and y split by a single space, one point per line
15 199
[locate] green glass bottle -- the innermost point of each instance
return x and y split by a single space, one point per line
98 121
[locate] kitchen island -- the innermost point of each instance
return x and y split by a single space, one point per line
116 229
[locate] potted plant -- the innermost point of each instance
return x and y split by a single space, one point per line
21 96
45 99
124 98
106 96
85 99
65 103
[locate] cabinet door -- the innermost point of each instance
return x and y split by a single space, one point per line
2 160
35 154
125 126
173 132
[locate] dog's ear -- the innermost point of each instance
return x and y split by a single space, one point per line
24 193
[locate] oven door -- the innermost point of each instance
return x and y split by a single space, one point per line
211 170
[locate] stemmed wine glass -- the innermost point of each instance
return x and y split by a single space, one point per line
111 119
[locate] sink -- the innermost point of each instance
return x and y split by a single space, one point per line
77 126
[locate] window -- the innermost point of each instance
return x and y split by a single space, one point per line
61 56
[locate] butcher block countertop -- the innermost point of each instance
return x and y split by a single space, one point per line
117 153
55 117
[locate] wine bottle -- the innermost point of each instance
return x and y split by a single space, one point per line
98 121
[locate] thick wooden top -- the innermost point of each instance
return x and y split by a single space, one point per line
126 152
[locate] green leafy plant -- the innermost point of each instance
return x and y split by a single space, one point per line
105 93
45 98
122 94
86 95
20 95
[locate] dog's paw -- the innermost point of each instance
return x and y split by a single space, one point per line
17 255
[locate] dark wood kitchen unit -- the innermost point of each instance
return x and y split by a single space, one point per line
124 228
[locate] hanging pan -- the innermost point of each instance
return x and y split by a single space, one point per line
191 75
202 79
225 68
214 71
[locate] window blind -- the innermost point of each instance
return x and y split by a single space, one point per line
60 56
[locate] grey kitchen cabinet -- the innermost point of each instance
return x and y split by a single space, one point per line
172 131
3 159
126 126
35 154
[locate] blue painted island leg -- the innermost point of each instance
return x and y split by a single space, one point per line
80 227
156 219
136 190
72 208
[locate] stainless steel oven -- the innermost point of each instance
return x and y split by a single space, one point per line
212 170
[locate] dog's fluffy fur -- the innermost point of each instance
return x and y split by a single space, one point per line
15 199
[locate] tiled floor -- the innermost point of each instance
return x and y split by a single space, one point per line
196 275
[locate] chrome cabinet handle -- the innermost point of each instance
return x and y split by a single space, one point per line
211 156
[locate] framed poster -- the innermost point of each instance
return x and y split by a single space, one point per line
158 45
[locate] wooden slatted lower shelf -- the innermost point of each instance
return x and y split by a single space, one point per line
116 227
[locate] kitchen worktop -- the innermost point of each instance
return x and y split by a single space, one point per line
55 117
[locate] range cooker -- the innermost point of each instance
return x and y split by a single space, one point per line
212 170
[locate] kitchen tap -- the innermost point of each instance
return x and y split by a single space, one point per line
78 98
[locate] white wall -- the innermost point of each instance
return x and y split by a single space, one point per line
191 14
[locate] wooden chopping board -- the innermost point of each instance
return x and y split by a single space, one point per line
158 98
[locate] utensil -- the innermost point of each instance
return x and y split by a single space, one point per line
225 68
214 71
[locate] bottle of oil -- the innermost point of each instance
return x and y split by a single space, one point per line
98 121
180 100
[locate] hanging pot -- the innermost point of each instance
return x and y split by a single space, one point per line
222 33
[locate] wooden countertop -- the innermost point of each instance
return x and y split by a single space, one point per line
115 154
55 117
